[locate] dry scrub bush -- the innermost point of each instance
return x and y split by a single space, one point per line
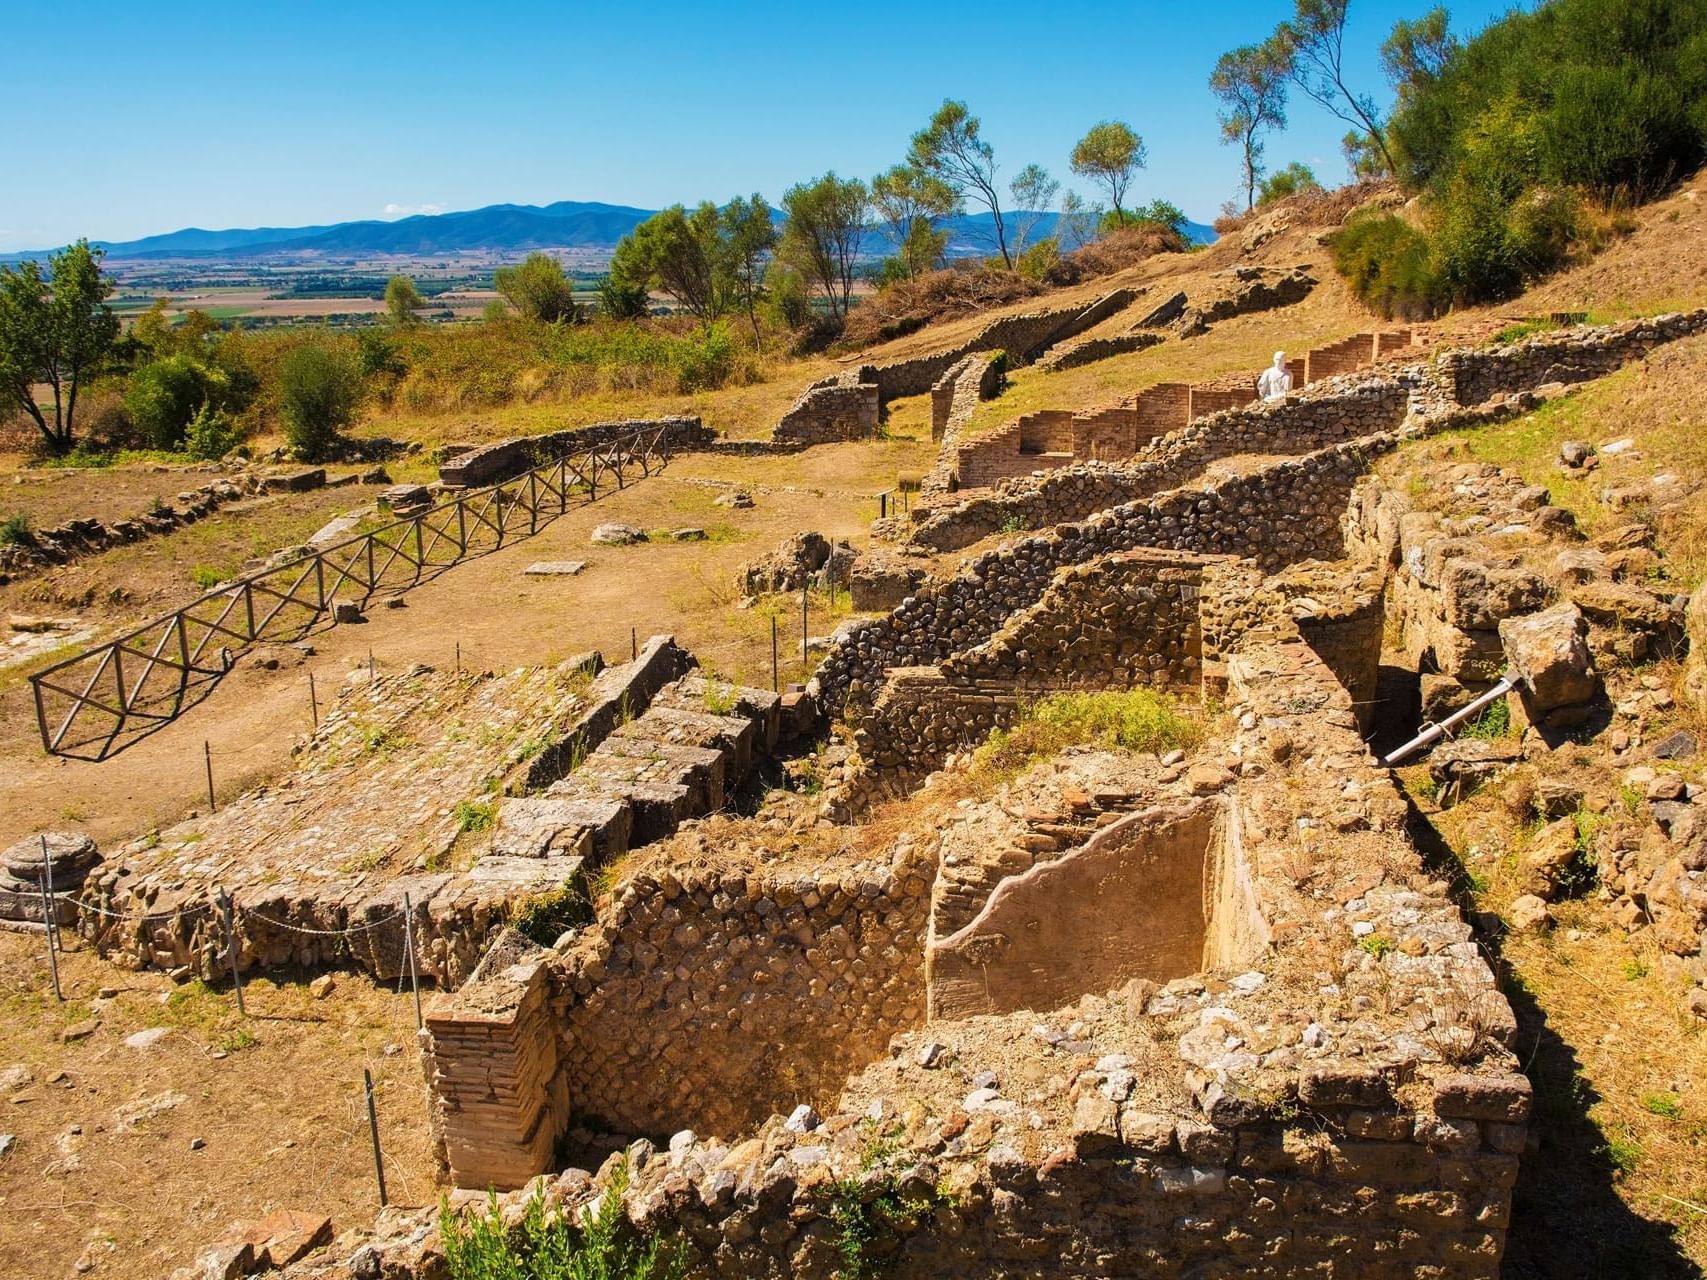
909 305
1116 252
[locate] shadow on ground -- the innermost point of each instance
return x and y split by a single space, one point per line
1568 1220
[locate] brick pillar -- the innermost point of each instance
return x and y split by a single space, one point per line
499 1100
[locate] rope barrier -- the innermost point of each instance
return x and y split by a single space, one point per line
203 908
320 933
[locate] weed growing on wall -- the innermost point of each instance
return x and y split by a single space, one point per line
546 1245
544 916
1132 719
873 1210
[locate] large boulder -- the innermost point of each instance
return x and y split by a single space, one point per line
1548 651
789 567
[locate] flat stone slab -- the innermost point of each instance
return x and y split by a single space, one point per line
554 568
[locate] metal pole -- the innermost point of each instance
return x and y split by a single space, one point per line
207 759
373 1130
459 657
776 668
803 586
409 950
313 702
634 642
47 919
228 909
1433 732
371 674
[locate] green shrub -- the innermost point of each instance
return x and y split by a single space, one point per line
15 532
474 815
1493 723
550 1247
1035 263
206 576
211 434
1387 264
164 395
319 388
705 362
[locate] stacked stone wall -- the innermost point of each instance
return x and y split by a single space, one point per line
1286 513
495 463
1338 411
827 413
1124 620
1574 356
1024 337
1090 350
709 998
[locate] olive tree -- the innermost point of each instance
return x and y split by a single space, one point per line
54 329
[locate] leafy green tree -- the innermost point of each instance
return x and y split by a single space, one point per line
680 254
1033 191
1158 213
622 301
1416 53
1109 154
1250 81
56 330
748 239
538 288
497 311
1289 181
1311 48
319 390
821 239
907 202
1077 223
164 395
403 301
950 150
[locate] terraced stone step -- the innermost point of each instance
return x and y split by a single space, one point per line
679 758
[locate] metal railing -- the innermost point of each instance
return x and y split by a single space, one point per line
144 678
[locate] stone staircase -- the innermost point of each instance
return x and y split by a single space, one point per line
681 757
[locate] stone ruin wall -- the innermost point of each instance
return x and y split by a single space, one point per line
842 408
955 395
1438 395
1299 424
703 997
1396 1161
1287 513
495 463
761 990
1154 411
1125 620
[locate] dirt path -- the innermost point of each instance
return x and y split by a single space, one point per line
500 618
103 1170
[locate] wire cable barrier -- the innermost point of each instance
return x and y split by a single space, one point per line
143 679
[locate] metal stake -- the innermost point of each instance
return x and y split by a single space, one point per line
373 1129
409 950
634 642
313 702
47 919
776 670
372 675
229 909
207 759
803 586
459 657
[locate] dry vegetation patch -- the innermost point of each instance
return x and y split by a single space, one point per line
103 1169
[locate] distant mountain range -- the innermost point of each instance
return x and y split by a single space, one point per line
500 228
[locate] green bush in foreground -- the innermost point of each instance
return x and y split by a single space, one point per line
549 1247
1134 719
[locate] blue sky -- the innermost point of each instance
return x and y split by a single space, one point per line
221 115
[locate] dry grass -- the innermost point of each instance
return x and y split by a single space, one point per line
1619 1069
276 1098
